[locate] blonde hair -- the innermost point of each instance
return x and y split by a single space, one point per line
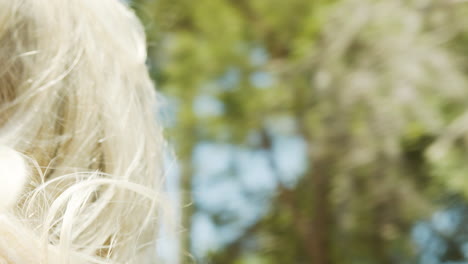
76 100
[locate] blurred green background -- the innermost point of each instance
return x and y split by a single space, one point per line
315 131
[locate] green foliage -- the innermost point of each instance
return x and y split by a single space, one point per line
373 88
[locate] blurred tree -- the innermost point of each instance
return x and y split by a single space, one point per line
369 86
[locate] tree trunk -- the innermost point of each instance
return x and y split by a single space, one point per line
319 236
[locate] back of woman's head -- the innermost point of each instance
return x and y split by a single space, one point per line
76 100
